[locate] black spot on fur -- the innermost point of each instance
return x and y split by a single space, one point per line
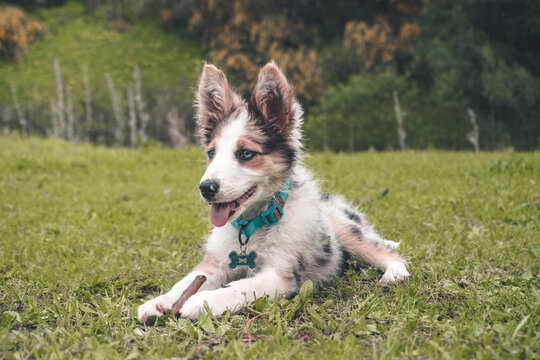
357 232
345 259
322 260
327 248
324 196
298 279
326 242
274 140
295 184
353 216
301 265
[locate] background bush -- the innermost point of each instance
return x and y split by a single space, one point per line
345 60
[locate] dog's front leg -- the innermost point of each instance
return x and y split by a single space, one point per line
239 294
209 267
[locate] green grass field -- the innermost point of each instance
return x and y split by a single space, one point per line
88 233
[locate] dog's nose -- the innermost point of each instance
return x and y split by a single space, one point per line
209 188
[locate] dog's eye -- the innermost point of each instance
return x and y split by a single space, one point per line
211 154
245 154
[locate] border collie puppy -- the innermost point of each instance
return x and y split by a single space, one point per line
273 226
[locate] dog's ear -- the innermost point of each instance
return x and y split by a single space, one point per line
214 101
273 98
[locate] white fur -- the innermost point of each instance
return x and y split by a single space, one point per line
304 244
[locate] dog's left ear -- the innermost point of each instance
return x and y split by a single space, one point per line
273 98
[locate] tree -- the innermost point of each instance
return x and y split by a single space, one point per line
17 31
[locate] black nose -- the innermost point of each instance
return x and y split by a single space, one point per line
209 189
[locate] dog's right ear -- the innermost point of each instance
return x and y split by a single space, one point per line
214 101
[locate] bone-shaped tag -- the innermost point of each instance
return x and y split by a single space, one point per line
242 259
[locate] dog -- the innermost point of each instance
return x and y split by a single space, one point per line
273 227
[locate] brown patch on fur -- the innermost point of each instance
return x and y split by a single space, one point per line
273 165
208 265
367 251
245 142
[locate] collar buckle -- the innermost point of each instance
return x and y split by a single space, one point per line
270 217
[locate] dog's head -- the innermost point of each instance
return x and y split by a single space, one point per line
251 146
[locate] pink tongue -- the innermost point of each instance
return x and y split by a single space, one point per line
219 213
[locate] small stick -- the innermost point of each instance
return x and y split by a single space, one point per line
266 313
189 292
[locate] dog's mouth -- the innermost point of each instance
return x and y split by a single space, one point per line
221 212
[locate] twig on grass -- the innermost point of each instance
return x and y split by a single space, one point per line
266 313
248 340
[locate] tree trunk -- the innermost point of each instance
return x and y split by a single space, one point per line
87 102
70 130
145 118
132 117
117 111
177 136
402 135
473 136
18 110
6 118
60 100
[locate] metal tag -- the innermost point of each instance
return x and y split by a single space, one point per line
242 259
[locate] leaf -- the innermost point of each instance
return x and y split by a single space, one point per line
301 300
15 314
315 318
520 325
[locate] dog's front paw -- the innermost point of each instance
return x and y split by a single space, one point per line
154 307
395 271
217 302
195 304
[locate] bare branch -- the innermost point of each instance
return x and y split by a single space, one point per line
132 116
87 100
402 135
189 292
70 128
60 99
117 111
18 110
474 135
145 118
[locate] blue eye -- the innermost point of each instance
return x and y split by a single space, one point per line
245 154
211 154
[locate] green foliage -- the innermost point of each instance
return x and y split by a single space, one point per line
88 233
361 111
344 59
168 61
464 64
455 66
359 114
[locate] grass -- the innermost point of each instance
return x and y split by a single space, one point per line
88 233
166 59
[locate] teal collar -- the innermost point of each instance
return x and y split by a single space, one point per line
269 217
